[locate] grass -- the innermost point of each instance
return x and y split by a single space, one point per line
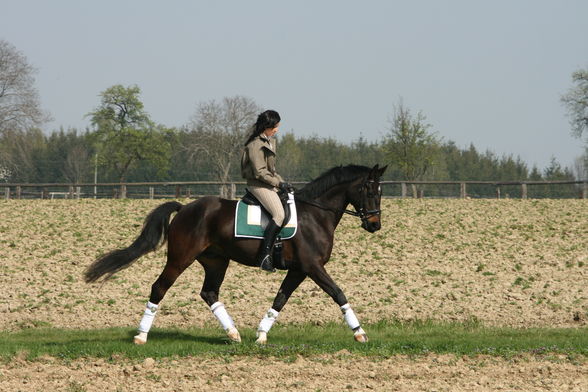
387 338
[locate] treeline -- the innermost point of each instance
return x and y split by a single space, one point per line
126 145
69 156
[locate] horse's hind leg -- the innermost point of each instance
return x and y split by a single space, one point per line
214 274
177 262
289 284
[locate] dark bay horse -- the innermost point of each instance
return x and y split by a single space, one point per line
203 230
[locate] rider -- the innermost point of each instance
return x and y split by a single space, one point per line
258 167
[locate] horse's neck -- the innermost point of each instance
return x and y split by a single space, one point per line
336 199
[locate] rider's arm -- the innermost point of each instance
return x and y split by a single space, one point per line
259 165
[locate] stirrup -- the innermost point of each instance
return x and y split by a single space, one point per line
267 264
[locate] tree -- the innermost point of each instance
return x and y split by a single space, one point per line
21 153
218 132
580 167
125 135
19 101
576 101
291 156
409 144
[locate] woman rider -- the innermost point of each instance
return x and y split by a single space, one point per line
258 167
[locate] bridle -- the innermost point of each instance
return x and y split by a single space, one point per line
365 191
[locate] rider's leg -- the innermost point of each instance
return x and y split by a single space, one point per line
272 203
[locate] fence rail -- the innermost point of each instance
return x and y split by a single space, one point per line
391 189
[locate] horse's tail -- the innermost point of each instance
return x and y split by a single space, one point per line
154 235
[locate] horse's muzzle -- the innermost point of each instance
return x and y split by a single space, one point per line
370 224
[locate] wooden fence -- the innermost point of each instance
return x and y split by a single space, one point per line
391 189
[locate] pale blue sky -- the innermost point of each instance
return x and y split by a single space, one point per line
488 73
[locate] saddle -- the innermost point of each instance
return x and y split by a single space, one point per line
251 219
249 199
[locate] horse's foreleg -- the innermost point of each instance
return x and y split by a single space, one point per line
215 270
320 276
289 284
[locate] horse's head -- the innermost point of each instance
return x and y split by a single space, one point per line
365 195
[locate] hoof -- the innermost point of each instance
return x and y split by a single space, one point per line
360 336
141 338
233 335
261 337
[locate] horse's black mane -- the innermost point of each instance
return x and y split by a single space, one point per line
330 178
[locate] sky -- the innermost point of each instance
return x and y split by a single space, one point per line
485 73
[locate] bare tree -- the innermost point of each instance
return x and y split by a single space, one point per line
18 150
19 101
77 164
218 132
576 101
580 167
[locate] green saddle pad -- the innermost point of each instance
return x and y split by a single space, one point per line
250 222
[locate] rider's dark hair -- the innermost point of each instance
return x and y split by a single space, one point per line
267 119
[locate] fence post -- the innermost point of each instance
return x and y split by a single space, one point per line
497 192
403 186
123 191
462 190
18 192
233 191
7 193
70 192
78 192
414 191
151 192
178 191
523 191
585 191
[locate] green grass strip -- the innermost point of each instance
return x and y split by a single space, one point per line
387 338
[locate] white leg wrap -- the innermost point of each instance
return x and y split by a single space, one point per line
218 308
148 317
267 321
350 316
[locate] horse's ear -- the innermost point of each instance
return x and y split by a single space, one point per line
382 170
374 172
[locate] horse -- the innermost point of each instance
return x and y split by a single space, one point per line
203 230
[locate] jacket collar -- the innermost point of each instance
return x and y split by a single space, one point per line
265 139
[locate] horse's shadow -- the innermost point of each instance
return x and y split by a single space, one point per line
171 336
160 336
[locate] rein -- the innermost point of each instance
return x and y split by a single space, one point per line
361 212
323 207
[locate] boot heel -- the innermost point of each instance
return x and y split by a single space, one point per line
267 265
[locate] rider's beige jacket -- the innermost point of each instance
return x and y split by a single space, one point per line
258 163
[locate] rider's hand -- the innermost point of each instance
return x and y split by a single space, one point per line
285 186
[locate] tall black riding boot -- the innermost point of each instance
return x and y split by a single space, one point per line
264 258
